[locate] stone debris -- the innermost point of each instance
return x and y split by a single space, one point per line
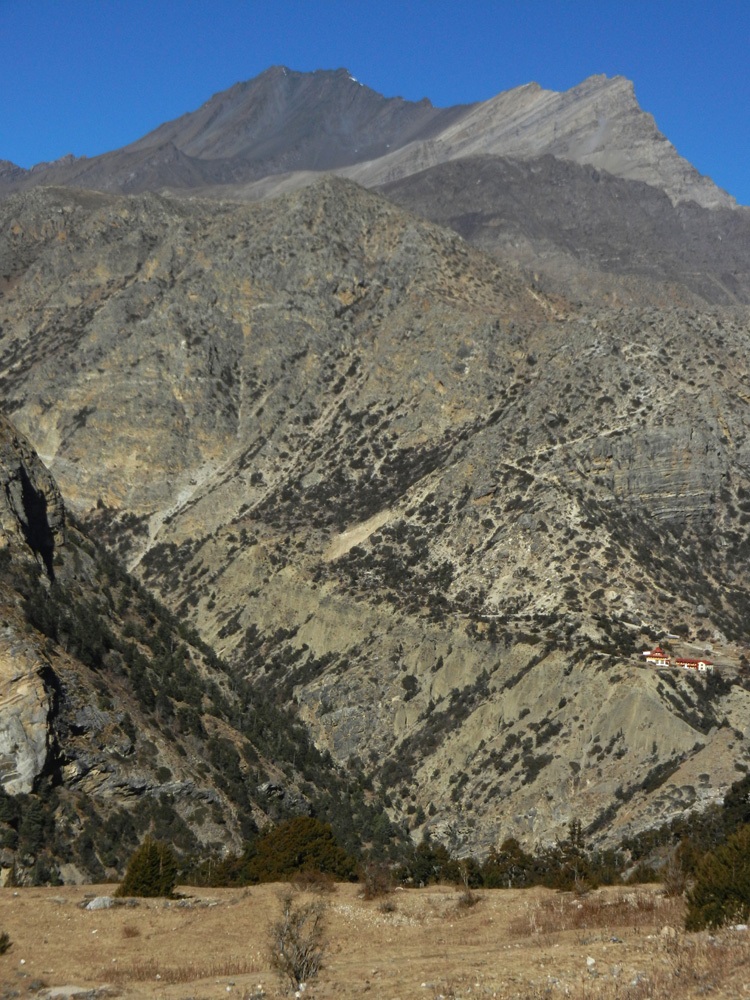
101 903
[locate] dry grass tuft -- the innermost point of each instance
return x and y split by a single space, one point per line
312 881
468 899
387 905
633 910
130 931
149 969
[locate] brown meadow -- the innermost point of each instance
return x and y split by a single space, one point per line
614 944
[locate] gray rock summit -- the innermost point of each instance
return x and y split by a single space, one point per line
283 127
284 120
599 123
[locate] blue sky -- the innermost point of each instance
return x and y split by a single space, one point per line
85 76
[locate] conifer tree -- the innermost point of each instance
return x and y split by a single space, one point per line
721 893
151 871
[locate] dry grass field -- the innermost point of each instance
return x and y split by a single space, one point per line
623 944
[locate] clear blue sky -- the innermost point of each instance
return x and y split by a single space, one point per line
85 76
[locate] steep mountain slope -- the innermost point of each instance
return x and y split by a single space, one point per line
586 233
599 123
438 510
298 124
116 722
284 120
280 121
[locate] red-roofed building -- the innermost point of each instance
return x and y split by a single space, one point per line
657 656
704 666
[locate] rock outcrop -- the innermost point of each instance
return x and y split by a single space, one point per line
24 712
114 720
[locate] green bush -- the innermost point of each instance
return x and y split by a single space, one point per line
151 871
299 844
721 893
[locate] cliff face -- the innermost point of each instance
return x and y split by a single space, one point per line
436 508
32 523
31 510
115 721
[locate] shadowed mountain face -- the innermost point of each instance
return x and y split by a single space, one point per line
437 508
588 233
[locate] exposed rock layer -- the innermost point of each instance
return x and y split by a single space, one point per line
114 721
401 485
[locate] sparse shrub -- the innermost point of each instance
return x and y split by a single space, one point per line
674 878
314 881
376 879
469 871
5 942
130 931
151 871
296 941
410 686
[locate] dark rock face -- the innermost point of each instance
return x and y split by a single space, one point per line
587 232
433 505
32 509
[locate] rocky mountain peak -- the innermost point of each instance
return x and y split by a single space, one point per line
293 125
284 119
599 123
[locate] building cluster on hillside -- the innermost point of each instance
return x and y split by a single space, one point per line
661 659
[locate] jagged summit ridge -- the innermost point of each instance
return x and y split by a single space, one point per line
284 122
599 123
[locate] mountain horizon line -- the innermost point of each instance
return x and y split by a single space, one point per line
71 156
288 123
